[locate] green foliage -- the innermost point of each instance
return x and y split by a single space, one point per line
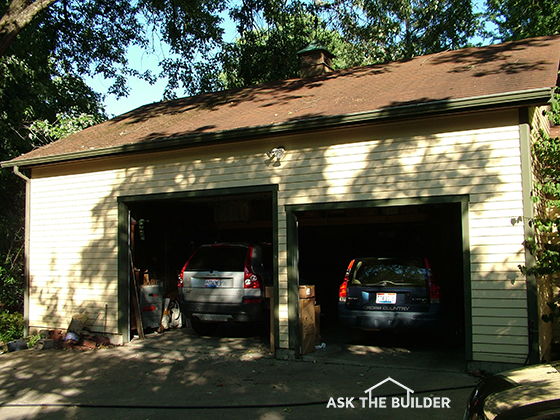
32 340
545 245
271 35
91 38
520 19
406 28
554 112
192 31
554 314
30 91
11 326
11 277
44 131
357 32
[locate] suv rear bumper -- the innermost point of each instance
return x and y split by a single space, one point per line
221 312
373 320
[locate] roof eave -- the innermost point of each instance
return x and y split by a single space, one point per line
533 97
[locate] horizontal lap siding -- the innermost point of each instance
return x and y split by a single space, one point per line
73 251
485 165
74 223
74 217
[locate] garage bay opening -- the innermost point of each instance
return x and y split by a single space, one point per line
166 230
386 276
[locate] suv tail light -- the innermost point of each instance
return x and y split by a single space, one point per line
181 282
435 291
251 280
181 279
343 289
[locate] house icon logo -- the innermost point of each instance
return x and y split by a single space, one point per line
392 401
381 402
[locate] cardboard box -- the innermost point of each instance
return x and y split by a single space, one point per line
317 325
306 291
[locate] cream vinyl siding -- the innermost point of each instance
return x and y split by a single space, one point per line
73 251
74 209
485 164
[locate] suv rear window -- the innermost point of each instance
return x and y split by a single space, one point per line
218 258
404 272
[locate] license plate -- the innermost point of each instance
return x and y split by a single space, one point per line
390 298
211 283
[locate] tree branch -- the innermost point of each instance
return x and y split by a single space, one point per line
19 14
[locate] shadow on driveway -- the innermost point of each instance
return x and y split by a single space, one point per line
234 376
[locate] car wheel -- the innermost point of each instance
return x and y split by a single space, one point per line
203 328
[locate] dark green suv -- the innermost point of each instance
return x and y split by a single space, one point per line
389 293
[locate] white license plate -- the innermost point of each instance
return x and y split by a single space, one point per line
212 283
390 298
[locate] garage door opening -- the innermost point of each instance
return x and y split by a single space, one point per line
165 230
329 238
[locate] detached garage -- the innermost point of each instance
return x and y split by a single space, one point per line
430 153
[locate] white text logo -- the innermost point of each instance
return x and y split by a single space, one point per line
372 401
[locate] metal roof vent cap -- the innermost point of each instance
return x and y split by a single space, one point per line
315 60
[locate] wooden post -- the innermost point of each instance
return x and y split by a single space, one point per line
269 293
135 302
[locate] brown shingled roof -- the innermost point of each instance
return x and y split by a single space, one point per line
523 66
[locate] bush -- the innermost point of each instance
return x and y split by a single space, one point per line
11 277
11 326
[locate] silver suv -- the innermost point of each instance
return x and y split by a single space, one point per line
223 283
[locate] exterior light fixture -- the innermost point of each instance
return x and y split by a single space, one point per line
275 156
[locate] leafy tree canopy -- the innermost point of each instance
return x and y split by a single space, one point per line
357 32
520 19
91 37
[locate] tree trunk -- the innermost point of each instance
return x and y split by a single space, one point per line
18 15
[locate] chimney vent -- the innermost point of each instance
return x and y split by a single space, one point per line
315 60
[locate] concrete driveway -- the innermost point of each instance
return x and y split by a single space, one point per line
178 375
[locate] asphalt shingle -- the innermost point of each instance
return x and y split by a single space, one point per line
447 76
